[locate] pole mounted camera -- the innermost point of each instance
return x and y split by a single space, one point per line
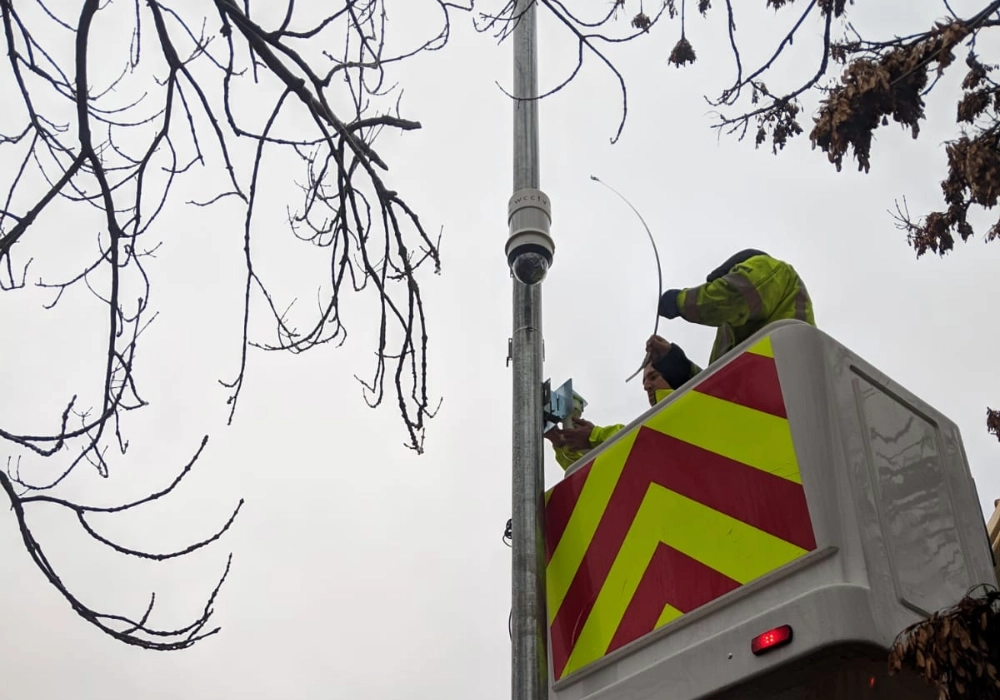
529 246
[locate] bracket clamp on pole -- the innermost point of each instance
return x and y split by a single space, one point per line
562 405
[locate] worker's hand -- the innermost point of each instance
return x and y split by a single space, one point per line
656 348
577 438
555 436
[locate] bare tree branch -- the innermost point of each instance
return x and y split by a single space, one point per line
214 93
132 631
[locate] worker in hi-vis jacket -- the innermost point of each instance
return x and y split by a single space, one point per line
741 296
747 292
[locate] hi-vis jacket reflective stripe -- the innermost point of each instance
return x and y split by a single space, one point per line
566 457
749 291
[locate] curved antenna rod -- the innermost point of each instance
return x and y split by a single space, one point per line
659 270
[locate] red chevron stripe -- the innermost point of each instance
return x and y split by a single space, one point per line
560 507
767 502
671 577
749 380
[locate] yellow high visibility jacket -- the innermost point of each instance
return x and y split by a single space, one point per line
565 456
741 296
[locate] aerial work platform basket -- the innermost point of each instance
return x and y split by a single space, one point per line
765 532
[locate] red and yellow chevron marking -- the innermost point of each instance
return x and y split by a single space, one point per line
702 498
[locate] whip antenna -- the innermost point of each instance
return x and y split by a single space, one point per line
659 271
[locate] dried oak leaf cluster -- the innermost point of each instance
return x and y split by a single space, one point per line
973 167
956 650
642 21
683 53
873 89
993 422
781 121
838 7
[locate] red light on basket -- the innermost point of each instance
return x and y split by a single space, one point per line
772 639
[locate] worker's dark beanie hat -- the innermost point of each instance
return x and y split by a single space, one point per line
740 257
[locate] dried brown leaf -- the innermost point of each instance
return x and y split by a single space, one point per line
682 54
974 103
992 416
642 21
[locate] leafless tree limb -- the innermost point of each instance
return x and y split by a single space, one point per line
113 137
132 631
590 36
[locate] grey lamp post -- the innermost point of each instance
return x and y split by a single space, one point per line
529 254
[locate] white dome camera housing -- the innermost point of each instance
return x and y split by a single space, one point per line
529 246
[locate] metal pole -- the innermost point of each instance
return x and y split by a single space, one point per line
529 668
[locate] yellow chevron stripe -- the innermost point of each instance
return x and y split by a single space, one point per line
669 614
583 522
746 435
762 347
731 547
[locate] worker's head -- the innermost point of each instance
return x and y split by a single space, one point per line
733 261
654 384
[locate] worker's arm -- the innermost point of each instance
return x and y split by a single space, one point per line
599 434
566 456
733 298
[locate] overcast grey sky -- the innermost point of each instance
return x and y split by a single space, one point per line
362 570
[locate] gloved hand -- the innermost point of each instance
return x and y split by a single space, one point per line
668 304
